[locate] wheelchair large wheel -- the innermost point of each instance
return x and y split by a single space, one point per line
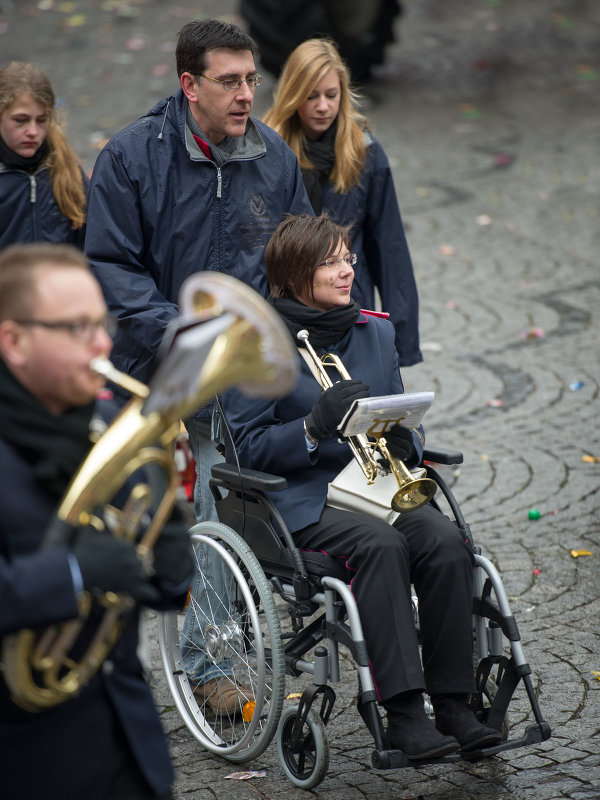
306 763
238 636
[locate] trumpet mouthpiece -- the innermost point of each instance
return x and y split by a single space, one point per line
302 335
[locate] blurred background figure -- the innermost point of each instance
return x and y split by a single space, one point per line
361 29
42 186
346 172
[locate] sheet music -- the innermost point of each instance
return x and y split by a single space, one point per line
186 345
375 415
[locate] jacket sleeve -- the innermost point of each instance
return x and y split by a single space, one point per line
261 439
115 246
388 257
36 589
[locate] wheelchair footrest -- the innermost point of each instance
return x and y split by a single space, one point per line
396 759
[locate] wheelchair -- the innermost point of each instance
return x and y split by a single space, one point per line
287 613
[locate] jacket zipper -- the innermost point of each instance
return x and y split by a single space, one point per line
219 182
32 189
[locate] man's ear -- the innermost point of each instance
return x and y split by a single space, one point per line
12 340
189 86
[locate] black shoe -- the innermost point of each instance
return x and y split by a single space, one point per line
454 717
411 730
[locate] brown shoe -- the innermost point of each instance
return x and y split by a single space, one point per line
223 695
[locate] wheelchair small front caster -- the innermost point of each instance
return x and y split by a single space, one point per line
306 761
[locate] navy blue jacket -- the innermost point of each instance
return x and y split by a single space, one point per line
73 742
160 210
269 434
378 240
28 210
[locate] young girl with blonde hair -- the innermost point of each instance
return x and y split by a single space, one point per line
347 174
42 186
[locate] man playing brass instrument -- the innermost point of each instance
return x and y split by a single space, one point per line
107 741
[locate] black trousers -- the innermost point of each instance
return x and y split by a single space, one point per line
423 548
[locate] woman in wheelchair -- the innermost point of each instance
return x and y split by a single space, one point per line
309 269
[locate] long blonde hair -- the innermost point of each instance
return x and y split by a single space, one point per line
303 70
19 78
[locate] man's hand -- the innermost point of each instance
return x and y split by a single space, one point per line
112 565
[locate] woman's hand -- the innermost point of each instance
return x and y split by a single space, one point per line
325 417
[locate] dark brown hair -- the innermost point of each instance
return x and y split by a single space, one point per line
197 38
19 267
295 250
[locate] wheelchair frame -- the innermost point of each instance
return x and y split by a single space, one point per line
263 561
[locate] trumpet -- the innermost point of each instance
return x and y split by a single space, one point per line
413 492
252 350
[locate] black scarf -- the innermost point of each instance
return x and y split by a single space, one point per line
29 164
321 153
54 445
325 328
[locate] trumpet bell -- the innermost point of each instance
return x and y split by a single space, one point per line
413 495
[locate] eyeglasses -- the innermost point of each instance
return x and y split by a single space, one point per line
349 260
83 330
236 83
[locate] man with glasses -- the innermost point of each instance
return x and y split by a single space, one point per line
107 741
196 184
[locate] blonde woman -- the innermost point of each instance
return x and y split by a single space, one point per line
42 186
347 174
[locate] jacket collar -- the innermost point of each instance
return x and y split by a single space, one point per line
173 110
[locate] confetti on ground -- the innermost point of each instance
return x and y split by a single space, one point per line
577 553
431 347
294 696
446 250
451 304
494 402
595 673
469 111
136 43
244 776
503 159
575 386
484 219
590 459
533 513
532 333
537 572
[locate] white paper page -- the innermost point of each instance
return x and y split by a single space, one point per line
376 414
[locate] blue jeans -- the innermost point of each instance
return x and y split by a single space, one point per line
209 590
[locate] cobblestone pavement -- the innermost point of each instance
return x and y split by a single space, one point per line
489 112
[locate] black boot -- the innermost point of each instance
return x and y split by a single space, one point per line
454 717
411 730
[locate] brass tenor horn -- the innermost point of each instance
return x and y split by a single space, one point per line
248 346
413 492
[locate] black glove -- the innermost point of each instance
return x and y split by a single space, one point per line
173 553
400 442
324 418
112 565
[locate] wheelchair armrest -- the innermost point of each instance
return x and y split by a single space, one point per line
442 455
238 479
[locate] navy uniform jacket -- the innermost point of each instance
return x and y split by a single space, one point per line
71 744
269 434
28 210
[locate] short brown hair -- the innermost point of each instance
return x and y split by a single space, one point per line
198 37
295 250
19 265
